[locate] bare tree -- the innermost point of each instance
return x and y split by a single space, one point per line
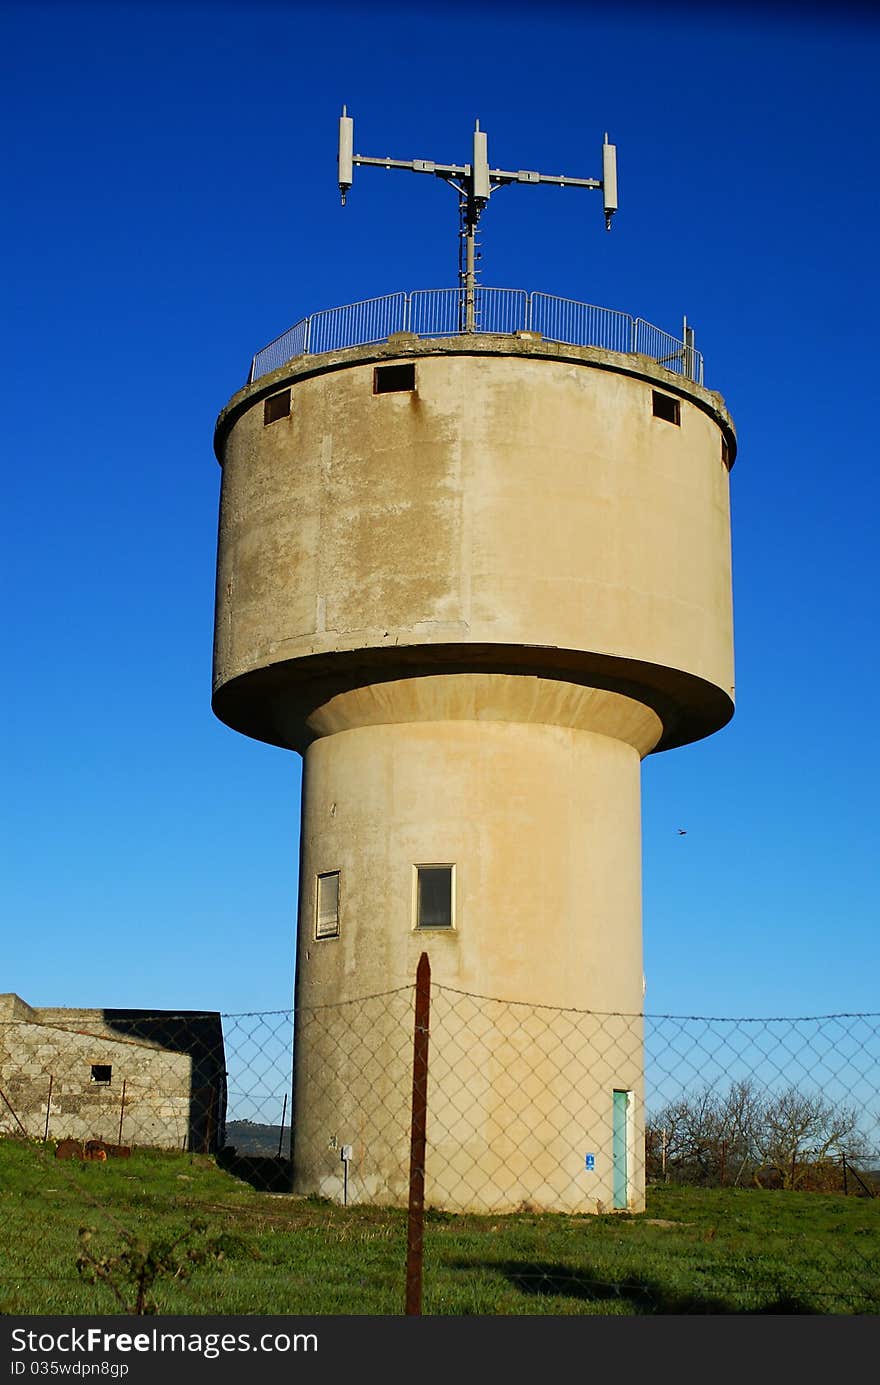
744 1135
740 1120
690 1132
797 1131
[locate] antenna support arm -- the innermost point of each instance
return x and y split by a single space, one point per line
417 166
525 175
497 176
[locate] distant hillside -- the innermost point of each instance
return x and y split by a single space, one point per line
247 1137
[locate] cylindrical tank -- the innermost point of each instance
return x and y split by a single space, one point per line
473 582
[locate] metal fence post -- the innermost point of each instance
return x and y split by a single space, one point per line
283 1118
415 1225
307 336
121 1112
48 1108
13 1112
689 353
207 1136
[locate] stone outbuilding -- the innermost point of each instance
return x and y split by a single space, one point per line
130 1077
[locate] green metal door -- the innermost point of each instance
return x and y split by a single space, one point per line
618 1148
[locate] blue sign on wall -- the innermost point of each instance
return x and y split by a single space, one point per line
590 1161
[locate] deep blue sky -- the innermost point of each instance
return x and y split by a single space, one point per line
170 205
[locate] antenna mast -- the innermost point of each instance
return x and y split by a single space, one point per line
475 182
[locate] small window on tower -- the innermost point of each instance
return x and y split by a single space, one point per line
327 905
434 896
725 452
276 406
666 407
390 379
101 1074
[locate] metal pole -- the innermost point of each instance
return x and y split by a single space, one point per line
121 1112
843 1158
48 1108
470 275
415 1227
689 352
209 1116
281 1136
11 1108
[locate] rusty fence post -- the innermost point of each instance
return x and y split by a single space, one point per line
208 1135
13 1112
121 1112
48 1109
281 1136
415 1225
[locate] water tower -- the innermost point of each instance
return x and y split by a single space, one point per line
474 565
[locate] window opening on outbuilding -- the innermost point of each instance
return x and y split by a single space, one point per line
434 896
276 406
666 407
391 379
327 905
102 1073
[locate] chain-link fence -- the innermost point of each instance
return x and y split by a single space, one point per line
616 1163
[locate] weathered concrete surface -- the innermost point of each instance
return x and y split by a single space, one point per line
516 512
474 607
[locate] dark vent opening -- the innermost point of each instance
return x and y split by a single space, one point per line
276 406
390 379
102 1072
666 407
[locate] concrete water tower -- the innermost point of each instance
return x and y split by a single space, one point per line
474 565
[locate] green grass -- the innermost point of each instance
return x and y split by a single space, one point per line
693 1251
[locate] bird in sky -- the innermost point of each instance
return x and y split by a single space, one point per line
682 831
